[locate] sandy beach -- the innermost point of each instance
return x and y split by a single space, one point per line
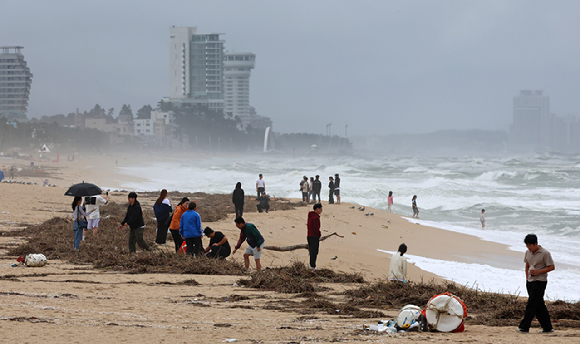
66 303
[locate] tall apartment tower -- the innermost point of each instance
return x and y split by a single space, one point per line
237 69
15 81
196 67
531 123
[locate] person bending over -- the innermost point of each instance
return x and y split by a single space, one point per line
255 241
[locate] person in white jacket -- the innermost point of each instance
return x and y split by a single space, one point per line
398 268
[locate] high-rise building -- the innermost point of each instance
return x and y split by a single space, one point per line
196 67
531 126
237 69
15 81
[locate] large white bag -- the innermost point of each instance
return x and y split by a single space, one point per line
35 260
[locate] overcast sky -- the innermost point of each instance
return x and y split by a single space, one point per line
379 67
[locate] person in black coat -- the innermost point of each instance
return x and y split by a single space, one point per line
316 187
162 209
264 203
134 220
238 199
331 193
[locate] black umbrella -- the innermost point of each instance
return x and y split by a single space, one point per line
83 189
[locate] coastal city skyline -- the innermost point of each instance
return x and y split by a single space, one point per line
404 67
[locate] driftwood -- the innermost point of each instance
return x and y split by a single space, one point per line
297 247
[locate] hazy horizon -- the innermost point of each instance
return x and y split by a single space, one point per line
378 67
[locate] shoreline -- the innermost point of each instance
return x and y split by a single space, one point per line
354 252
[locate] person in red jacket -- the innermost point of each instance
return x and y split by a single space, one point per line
313 236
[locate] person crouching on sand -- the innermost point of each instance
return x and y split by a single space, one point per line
415 208
218 247
255 241
398 267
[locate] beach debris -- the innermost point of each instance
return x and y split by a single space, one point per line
372 214
299 246
361 208
446 313
335 257
230 340
35 260
389 221
384 226
351 207
354 233
367 214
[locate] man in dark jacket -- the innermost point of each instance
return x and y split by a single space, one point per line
134 220
316 187
331 193
238 199
264 205
255 240
313 235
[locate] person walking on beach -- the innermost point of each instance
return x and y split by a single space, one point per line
316 187
12 172
134 220
398 267
218 247
260 185
482 218
78 226
93 204
264 205
255 241
415 208
390 201
538 263
162 209
337 188
191 230
304 188
181 208
331 190
238 199
313 235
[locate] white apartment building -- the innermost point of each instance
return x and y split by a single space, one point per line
237 71
15 82
196 67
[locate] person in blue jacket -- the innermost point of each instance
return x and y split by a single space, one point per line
191 230
162 209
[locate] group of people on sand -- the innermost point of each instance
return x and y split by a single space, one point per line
312 187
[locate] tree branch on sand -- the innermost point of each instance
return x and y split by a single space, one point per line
297 247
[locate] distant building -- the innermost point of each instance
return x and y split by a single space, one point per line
158 129
15 82
196 68
237 70
531 128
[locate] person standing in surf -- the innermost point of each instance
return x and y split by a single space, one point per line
260 185
331 190
390 201
415 208
482 218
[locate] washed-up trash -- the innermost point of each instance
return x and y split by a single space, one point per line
382 326
35 260
446 313
231 340
408 315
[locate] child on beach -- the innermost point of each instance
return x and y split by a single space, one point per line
390 201
415 208
482 218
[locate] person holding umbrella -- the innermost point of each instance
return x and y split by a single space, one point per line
134 220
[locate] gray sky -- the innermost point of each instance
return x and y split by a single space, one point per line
379 66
